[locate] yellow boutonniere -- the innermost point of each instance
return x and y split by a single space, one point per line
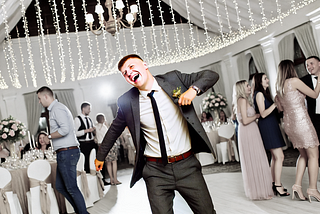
177 92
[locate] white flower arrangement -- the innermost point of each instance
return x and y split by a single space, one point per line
214 101
11 130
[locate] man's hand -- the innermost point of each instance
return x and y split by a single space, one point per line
187 97
46 139
99 164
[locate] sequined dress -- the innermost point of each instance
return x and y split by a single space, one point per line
255 169
297 123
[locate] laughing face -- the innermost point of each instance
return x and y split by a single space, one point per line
313 66
137 74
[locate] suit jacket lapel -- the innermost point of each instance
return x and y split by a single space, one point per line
135 107
167 87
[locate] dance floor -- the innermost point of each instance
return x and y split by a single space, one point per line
226 190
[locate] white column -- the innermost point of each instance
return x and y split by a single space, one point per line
267 47
10 104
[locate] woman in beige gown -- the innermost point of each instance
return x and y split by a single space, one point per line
291 92
255 168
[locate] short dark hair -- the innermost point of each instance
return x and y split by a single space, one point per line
85 104
315 57
100 117
45 89
124 59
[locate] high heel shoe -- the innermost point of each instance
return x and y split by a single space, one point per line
313 193
297 192
276 192
284 189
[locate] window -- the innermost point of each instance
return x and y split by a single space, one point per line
299 60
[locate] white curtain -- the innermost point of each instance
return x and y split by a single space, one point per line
66 97
34 109
219 87
306 40
286 48
243 66
258 59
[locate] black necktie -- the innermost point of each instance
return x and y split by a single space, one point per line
88 127
316 77
159 128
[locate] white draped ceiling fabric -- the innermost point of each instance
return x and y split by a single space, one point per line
212 25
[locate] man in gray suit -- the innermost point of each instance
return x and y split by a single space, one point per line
166 133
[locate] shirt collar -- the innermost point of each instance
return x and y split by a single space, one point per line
155 87
52 104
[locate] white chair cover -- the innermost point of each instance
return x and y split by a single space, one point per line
227 149
9 202
41 198
97 185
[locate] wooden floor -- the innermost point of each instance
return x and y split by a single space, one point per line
226 190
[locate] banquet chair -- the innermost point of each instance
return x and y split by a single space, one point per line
95 181
226 147
9 202
41 192
82 184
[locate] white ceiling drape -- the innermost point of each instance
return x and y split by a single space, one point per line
10 10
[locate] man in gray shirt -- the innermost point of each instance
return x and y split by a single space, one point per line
66 146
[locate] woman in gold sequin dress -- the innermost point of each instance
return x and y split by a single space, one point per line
291 92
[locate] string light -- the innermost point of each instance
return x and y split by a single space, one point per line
59 39
22 58
153 34
74 17
13 72
163 27
42 46
204 20
227 15
144 38
28 42
250 15
72 76
279 11
176 32
159 55
264 19
52 61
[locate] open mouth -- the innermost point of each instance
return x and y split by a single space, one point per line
136 77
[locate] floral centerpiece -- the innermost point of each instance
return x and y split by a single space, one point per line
11 130
214 102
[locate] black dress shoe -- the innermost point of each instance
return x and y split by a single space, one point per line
106 183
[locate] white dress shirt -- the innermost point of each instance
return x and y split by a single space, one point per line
315 82
101 130
174 126
77 125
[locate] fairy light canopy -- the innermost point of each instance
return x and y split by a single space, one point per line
53 43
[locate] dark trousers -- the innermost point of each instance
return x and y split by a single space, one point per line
85 148
183 176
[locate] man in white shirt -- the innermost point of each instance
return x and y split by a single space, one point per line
85 132
313 105
166 133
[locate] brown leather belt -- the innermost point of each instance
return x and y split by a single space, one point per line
68 148
171 159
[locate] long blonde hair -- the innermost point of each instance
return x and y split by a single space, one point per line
285 71
241 92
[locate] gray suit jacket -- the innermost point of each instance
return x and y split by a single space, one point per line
129 115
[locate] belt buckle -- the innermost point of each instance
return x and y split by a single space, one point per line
172 157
